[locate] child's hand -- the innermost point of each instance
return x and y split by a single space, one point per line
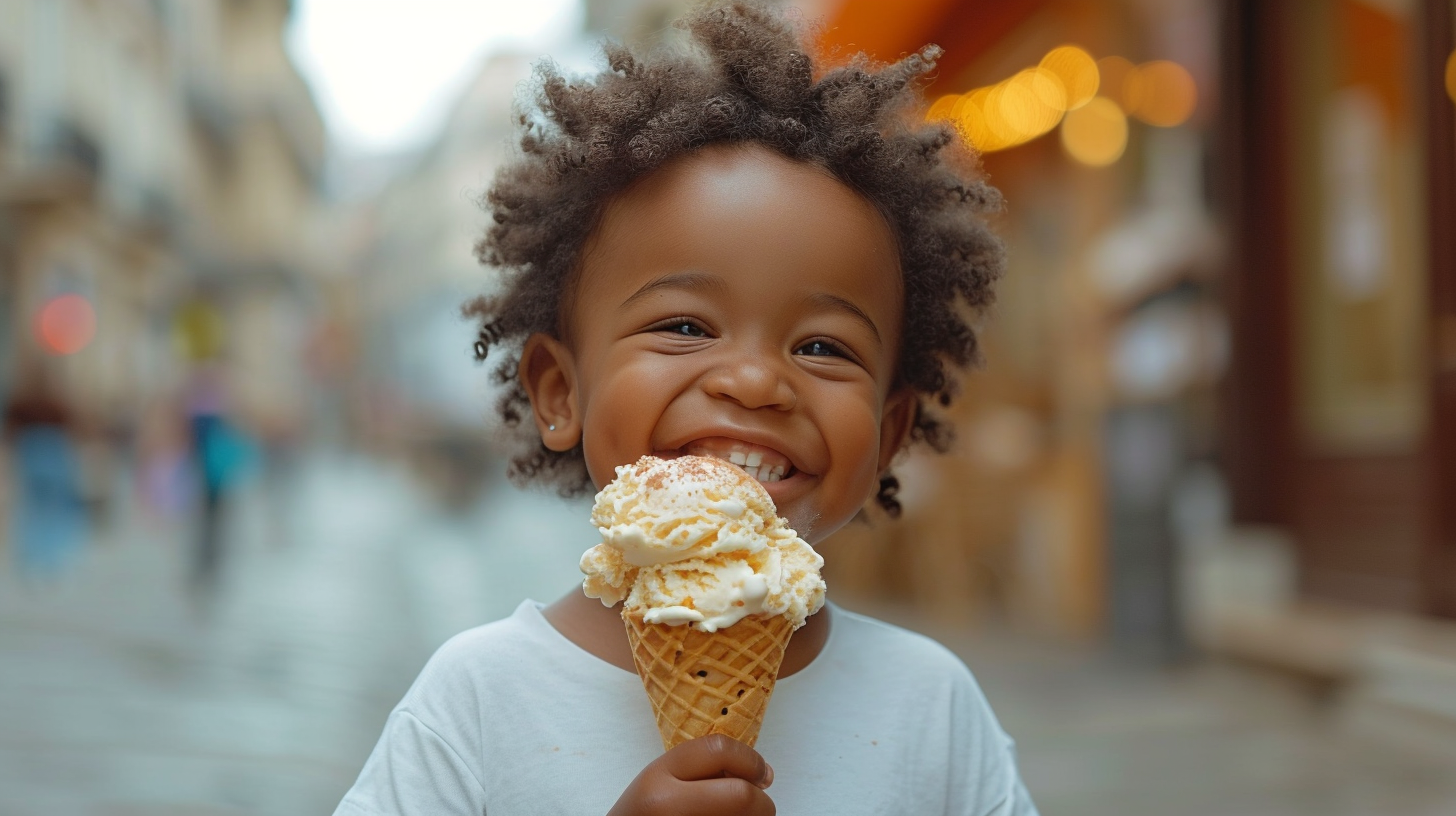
702 777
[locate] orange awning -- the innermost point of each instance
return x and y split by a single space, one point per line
966 29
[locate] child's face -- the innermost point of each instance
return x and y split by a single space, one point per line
735 303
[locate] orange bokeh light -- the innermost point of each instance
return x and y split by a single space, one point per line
1161 93
1096 133
1068 80
1077 71
940 110
1028 105
65 324
970 117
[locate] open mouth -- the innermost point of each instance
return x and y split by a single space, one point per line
764 464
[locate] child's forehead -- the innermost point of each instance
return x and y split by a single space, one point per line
737 215
724 160
741 177
730 199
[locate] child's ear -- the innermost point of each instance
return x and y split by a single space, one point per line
896 422
548 373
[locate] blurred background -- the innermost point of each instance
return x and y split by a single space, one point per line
1197 537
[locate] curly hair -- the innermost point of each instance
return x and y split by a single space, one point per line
746 77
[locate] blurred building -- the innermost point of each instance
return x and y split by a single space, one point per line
424 394
1094 413
1219 404
156 158
1338 152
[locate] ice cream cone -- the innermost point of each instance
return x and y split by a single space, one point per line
702 683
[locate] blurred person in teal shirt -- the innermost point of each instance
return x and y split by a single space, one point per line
48 523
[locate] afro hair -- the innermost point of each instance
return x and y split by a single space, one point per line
745 76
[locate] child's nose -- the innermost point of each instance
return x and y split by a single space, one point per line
752 381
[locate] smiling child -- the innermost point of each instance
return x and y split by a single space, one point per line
718 252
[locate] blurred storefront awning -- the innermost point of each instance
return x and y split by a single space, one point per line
887 30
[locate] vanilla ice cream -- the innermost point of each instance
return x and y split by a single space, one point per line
696 540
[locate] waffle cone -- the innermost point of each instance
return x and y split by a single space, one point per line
701 683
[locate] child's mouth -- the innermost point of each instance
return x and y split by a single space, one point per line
764 464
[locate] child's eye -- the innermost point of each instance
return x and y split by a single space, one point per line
682 327
821 348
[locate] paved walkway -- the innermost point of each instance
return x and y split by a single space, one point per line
1102 738
122 694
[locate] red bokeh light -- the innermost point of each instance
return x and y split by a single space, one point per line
65 324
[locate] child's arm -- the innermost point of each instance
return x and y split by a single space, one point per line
706 776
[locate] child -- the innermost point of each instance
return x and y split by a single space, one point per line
710 252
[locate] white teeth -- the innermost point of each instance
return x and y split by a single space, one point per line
752 463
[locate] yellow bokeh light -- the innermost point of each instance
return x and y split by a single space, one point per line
1451 76
1077 71
1114 72
940 110
994 108
1022 110
1011 112
1161 93
1024 106
1096 133
974 114
1047 86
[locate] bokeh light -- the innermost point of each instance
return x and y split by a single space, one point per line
1011 112
1026 105
65 324
1035 100
1048 88
1160 92
1077 71
1114 72
940 109
970 117
1096 133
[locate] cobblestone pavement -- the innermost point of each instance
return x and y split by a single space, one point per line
122 693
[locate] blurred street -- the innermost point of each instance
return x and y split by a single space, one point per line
1196 534
122 692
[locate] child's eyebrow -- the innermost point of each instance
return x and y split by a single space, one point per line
824 300
692 281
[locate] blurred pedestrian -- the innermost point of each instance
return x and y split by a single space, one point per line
48 522
164 463
221 453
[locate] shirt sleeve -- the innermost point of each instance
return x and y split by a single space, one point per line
1016 802
990 782
413 770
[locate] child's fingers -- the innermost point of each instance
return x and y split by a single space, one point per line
715 756
731 796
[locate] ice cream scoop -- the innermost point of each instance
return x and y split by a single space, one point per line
695 540
712 584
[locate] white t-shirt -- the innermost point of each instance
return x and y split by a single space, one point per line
512 718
